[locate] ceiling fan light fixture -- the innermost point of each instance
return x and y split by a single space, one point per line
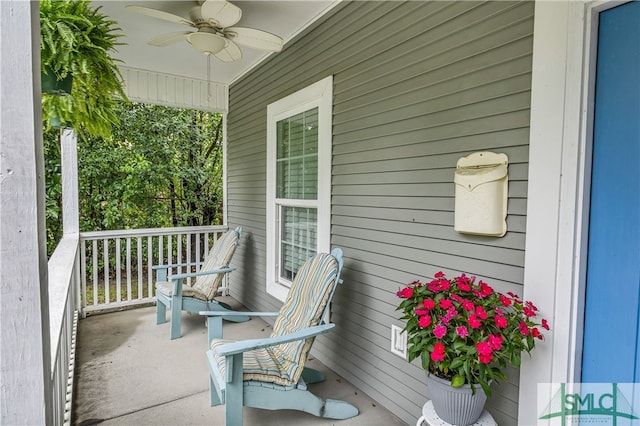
207 43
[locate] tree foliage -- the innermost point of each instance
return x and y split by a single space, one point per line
161 167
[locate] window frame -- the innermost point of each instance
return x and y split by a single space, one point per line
318 95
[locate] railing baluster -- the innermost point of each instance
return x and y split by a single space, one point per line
139 257
179 252
150 277
118 272
95 272
197 251
105 243
188 241
129 295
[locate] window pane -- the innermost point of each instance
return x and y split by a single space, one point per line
297 156
298 243
283 138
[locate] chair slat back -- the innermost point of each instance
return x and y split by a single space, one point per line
219 257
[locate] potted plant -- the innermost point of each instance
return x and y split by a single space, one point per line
78 40
465 335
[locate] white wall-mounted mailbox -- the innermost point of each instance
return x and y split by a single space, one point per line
481 194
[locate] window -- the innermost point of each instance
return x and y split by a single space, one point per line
298 182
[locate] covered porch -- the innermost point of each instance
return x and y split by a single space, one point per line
129 372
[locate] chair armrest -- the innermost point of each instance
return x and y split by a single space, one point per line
199 273
247 345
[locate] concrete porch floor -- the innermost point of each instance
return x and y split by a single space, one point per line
128 372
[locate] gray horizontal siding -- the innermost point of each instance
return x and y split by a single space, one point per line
417 85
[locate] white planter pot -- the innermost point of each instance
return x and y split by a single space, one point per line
457 406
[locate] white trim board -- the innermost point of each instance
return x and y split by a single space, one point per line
563 74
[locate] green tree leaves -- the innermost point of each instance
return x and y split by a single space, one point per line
160 167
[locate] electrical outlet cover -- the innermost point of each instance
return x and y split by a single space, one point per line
398 341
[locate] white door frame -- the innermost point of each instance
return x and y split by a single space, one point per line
562 98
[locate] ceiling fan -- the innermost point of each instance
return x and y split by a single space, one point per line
214 33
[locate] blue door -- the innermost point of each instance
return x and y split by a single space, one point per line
612 315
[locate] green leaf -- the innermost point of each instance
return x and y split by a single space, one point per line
426 360
457 381
485 388
456 363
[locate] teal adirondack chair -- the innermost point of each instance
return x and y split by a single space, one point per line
172 293
269 373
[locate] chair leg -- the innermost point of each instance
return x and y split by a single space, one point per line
176 317
234 394
213 393
310 376
161 312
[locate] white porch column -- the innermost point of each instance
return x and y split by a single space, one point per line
25 354
69 168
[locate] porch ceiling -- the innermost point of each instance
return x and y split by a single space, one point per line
283 18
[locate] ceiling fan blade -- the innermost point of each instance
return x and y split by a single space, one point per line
161 15
256 39
168 39
222 12
230 53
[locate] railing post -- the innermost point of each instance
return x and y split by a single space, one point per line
69 168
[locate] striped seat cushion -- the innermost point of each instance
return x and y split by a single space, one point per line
219 257
305 303
166 288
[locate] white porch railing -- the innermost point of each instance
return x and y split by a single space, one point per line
116 266
64 279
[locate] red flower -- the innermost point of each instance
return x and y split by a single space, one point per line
438 352
495 341
514 297
501 322
529 312
481 312
406 292
439 274
485 354
485 289
439 285
474 322
424 321
463 282
462 331
523 328
440 331
505 300
420 312
545 325
485 359
428 304
535 332
467 305
445 303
